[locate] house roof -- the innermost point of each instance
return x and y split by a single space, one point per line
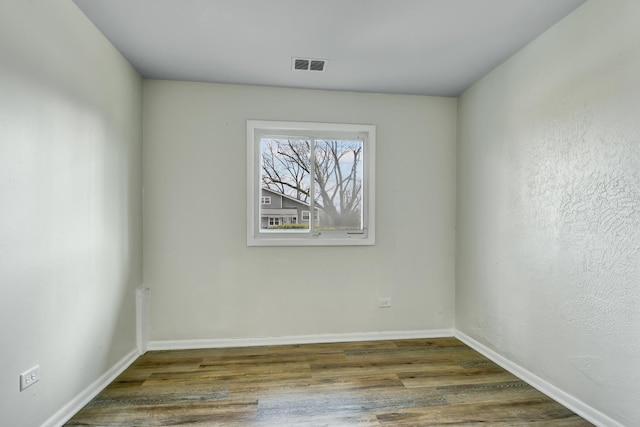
286 197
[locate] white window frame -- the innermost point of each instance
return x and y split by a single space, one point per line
265 200
257 237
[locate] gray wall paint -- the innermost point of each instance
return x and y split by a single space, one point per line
548 233
70 206
206 283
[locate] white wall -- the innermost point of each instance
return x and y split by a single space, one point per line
548 243
70 206
207 284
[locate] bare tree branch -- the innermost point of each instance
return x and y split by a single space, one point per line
336 185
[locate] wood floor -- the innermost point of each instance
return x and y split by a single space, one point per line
424 382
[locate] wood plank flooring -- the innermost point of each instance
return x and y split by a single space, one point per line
424 382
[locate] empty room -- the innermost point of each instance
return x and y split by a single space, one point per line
319 213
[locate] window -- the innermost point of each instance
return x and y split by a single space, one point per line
306 217
324 174
265 200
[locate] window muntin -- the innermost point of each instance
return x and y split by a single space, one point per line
325 172
265 200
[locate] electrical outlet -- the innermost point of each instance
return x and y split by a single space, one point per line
30 377
384 302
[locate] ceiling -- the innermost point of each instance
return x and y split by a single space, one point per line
425 47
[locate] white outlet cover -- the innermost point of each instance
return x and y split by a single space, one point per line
384 302
30 377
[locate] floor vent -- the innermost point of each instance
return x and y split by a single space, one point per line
307 64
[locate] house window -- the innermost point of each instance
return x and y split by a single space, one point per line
324 174
265 200
274 221
306 217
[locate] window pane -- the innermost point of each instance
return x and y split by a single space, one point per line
305 177
284 176
338 184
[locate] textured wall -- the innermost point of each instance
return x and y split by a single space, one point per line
549 208
206 283
70 206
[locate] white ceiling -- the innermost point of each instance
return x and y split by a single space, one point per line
426 47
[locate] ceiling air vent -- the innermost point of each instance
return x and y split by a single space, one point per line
306 64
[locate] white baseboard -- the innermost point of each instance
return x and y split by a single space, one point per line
297 339
78 402
585 411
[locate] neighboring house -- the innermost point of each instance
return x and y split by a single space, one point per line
279 209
